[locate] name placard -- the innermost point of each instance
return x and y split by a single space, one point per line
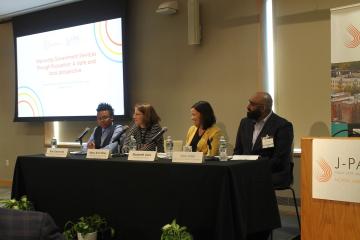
57 152
142 155
187 157
98 153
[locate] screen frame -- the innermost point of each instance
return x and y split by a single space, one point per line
89 11
351 127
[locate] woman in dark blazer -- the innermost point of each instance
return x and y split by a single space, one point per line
145 126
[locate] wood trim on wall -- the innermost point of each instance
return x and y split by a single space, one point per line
48 132
5 183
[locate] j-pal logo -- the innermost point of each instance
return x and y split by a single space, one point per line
355 37
342 165
325 172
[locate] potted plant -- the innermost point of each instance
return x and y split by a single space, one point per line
174 232
22 204
87 228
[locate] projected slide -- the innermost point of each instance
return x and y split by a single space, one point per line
68 72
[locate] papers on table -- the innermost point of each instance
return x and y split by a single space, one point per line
161 155
245 157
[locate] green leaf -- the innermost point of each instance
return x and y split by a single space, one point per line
85 225
174 231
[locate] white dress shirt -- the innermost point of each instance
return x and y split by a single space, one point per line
258 127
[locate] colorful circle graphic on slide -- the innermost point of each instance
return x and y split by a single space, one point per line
29 104
108 37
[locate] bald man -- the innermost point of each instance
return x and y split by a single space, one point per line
266 134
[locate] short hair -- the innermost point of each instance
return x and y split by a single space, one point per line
150 115
268 102
206 112
105 107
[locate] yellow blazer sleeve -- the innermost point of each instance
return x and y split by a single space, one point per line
190 135
215 136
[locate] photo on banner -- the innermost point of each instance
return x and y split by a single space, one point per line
345 70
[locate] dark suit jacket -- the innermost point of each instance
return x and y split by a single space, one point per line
27 225
280 155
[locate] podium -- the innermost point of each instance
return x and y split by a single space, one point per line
325 219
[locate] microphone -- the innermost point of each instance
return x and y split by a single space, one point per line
118 136
79 139
159 134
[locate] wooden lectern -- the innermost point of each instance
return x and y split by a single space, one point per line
324 219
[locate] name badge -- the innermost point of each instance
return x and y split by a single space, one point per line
98 153
187 157
57 152
142 155
267 142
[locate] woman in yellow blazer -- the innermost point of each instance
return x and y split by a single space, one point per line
204 135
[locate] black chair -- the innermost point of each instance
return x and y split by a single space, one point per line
289 187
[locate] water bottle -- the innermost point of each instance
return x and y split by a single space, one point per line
169 147
132 143
223 149
53 143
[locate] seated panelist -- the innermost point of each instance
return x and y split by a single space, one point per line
264 133
103 135
204 135
145 129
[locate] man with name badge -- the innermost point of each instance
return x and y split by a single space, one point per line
266 134
104 134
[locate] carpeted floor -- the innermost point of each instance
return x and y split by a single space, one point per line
290 227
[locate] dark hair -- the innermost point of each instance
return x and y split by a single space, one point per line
150 115
207 116
105 107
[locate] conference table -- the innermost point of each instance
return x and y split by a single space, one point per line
214 200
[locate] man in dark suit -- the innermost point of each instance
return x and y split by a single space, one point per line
266 134
27 225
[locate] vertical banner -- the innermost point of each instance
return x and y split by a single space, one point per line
345 70
336 169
